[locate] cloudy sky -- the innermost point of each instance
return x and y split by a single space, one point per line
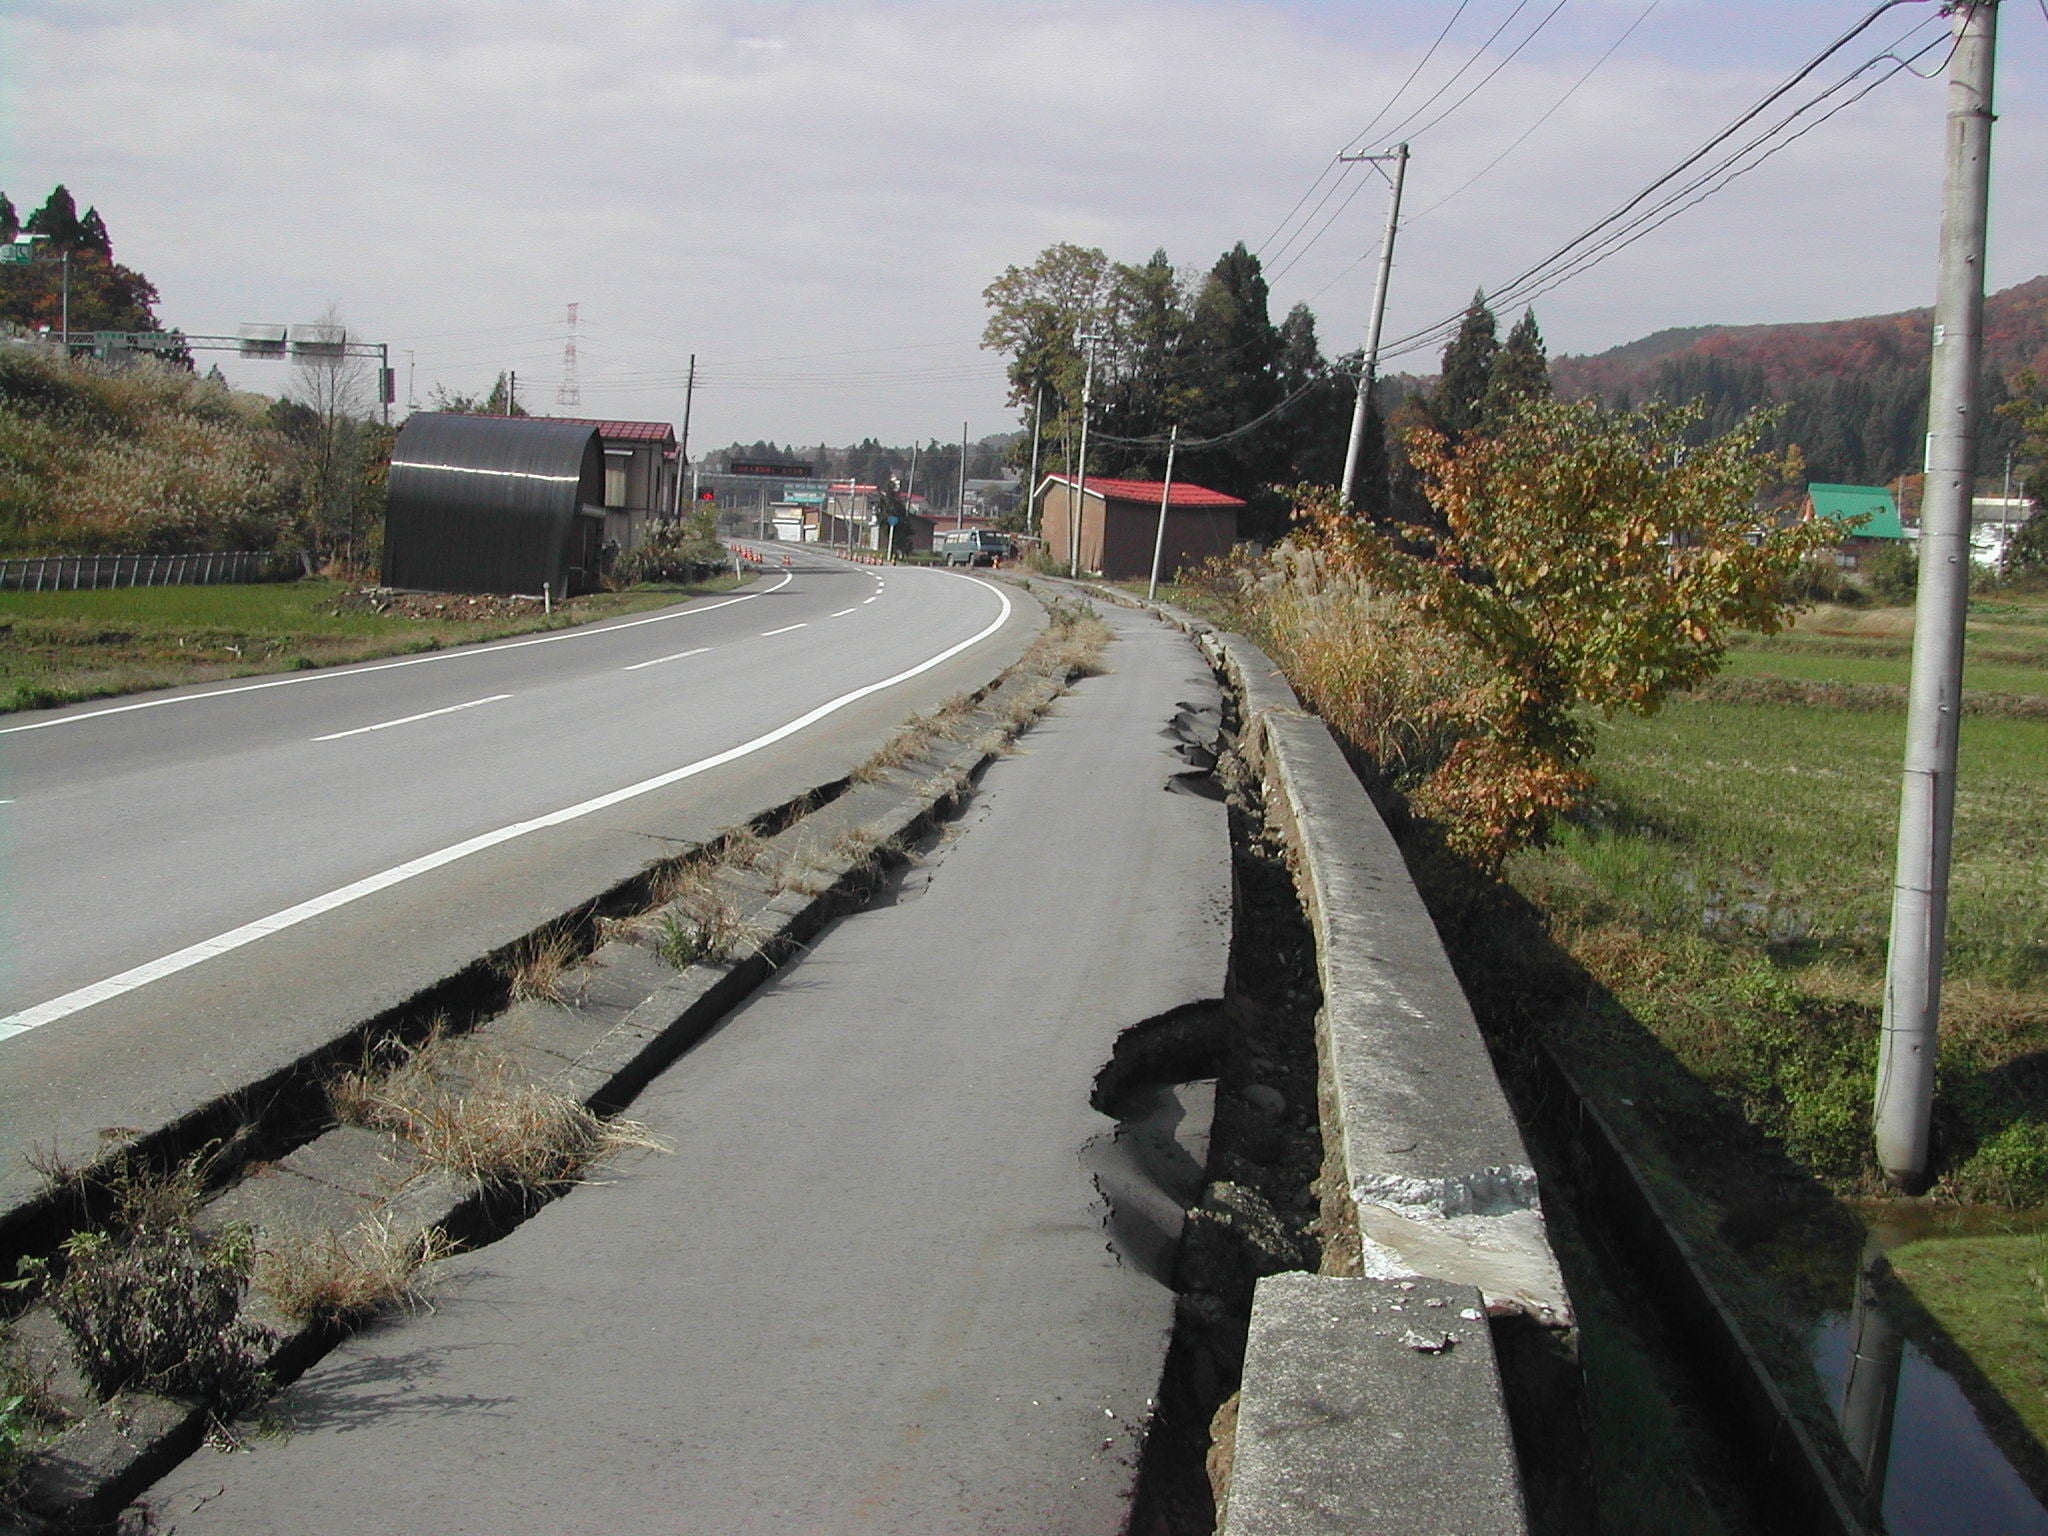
811 196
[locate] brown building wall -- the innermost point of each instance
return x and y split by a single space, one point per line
1123 551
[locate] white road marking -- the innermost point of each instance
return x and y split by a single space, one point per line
785 629
385 725
193 954
328 675
866 600
679 655
842 613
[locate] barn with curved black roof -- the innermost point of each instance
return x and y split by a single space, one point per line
494 504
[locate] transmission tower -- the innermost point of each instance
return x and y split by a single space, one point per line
570 393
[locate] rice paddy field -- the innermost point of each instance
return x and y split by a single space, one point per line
1727 892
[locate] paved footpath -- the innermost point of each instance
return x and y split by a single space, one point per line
871 1289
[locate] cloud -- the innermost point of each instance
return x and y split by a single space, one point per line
831 184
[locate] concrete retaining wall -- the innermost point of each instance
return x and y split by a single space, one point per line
1427 1380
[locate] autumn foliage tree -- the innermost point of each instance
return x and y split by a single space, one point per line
1592 567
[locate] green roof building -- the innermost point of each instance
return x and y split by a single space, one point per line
1867 511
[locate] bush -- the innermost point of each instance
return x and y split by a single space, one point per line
155 1304
145 459
680 551
1892 573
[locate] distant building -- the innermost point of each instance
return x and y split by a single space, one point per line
1866 511
1119 520
640 476
1993 522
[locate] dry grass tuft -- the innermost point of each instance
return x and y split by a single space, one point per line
540 966
702 924
461 1109
741 848
900 750
858 843
349 1276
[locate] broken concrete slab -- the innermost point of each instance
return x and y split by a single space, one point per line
1370 1406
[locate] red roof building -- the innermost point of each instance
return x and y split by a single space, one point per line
641 476
1119 522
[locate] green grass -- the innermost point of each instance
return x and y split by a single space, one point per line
1990 1297
58 647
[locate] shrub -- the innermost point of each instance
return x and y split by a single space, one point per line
1892 572
154 1303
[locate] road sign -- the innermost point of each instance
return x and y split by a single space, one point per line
16 255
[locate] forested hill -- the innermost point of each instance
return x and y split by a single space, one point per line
1854 392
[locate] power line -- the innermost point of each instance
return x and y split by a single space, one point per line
1396 131
1572 257
1641 17
1478 53
1336 160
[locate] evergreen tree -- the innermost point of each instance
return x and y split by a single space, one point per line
1457 405
92 234
57 222
1313 429
1521 371
1232 355
10 221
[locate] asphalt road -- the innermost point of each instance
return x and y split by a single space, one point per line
202 884
872 1289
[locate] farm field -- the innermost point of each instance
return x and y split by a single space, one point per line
60 647
1727 892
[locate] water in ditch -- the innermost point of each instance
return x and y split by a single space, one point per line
1931 1466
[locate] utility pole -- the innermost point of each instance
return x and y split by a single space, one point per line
1165 496
67 304
412 378
689 394
1369 367
511 391
1912 994
1031 485
1078 505
960 503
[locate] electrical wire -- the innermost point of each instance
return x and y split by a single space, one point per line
1394 134
1396 131
1337 160
1612 48
1633 221
1630 216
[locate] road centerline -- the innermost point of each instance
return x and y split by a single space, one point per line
678 656
425 714
842 613
785 629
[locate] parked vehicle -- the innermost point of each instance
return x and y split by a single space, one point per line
973 546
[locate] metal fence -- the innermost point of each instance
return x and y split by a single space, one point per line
71 573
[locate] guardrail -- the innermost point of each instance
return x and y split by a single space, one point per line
73 573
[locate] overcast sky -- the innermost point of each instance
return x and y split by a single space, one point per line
811 196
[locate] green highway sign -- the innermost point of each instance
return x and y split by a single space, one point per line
15 255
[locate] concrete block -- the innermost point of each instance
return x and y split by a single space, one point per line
1433 1158
1371 1406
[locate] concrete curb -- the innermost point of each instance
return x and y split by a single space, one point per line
1427 1190
632 1018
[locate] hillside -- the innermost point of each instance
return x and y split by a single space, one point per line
1852 394
2015 337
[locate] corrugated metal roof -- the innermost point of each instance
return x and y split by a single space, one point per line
639 431
1868 509
1185 493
